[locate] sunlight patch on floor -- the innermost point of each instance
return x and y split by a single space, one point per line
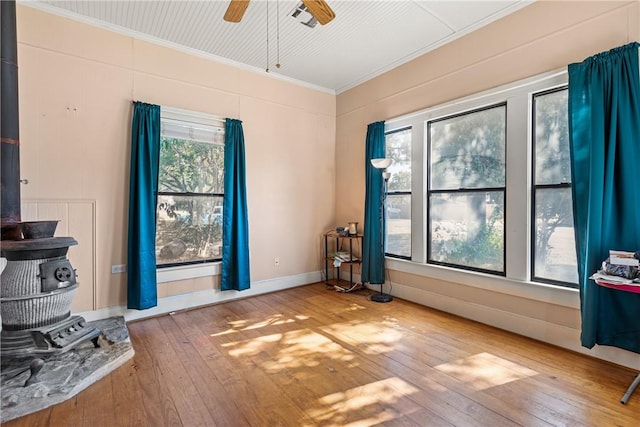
292 349
253 346
354 306
373 338
338 409
245 325
485 370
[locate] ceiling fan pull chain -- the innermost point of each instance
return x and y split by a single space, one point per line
278 33
267 70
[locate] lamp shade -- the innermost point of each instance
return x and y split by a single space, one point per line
381 163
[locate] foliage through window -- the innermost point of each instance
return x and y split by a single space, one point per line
466 189
190 193
398 148
554 256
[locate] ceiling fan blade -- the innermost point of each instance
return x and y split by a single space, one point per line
320 10
235 11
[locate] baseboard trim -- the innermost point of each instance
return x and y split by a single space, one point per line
198 299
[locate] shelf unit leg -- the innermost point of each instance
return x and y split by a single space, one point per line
351 265
338 268
630 390
326 259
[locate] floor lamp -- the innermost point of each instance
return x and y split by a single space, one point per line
382 165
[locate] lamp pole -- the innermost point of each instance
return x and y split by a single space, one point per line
381 296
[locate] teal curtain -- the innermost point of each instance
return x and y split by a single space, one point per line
235 232
143 193
604 126
373 234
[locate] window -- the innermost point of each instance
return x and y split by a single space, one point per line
478 207
398 148
553 251
190 189
466 189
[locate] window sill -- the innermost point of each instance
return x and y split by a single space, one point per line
173 274
551 294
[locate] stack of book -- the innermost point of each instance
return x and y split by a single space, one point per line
623 258
616 282
344 256
619 271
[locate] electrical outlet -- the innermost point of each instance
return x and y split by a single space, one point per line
276 261
122 268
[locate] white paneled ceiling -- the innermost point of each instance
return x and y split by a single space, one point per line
365 39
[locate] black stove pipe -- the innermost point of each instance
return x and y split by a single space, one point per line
9 124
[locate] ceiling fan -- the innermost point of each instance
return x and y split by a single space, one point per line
319 9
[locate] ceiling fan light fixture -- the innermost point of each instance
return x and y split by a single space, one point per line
301 14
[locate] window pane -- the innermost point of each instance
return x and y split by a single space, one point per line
555 249
191 167
553 165
189 228
467 229
468 151
554 255
398 148
399 225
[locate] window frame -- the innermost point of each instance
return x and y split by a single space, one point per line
198 268
397 193
430 191
535 187
517 281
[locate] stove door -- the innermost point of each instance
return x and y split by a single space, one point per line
56 274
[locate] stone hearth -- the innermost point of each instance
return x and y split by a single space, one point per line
64 375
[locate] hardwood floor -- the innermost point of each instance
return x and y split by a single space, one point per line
314 357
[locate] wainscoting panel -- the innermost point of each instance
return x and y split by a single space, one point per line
77 219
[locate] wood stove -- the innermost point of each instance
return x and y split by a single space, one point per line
38 286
